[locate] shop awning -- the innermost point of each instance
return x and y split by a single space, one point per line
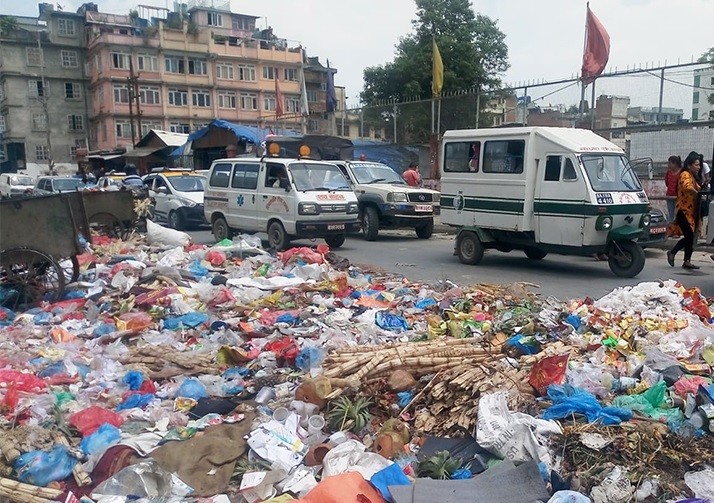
142 152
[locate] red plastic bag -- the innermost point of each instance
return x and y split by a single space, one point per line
216 258
11 399
22 381
548 371
285 349
87 421
348 487
134 321
224 295
307 255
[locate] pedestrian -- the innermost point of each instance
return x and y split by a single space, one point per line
685 222
674 167
411 175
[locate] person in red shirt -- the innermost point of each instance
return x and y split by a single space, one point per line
412 176
674 167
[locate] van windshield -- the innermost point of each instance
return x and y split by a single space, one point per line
21 180
610 173
311 176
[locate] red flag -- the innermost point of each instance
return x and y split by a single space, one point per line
597 48
278 98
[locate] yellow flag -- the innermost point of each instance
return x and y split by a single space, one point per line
437 81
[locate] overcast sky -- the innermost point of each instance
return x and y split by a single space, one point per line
544 37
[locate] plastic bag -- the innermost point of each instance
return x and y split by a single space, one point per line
188 320
347 487
141 480
135 401
89 420
550 370
701 483
307 255
650 403
133 379
309 357
390 476
22 381
39 468
569 497
216 258
391 322
568 400
99 441
157 235
192 388
134 321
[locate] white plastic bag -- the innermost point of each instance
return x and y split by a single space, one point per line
350 456
157 235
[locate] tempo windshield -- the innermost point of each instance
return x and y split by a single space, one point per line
370 172
610 173
310 176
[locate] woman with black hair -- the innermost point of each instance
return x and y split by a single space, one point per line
686 212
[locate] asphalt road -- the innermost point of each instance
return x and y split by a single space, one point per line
563 277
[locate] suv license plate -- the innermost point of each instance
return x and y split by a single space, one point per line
658 230
423 207
336 227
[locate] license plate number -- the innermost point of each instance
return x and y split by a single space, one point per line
423 207
658 230
336 227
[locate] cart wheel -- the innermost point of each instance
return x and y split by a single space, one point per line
106 224
28 277
626 259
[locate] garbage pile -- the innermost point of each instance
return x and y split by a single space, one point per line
180 372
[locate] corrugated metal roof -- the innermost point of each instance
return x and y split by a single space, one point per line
171 139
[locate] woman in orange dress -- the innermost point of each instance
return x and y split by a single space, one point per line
686 212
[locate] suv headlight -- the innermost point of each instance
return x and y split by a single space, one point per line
308 209
645 221
352 208
604 223
187 202
397 197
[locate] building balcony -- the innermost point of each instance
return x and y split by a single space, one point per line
251 50
116 39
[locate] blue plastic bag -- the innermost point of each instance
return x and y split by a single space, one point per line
135 401
133 379
287 318
198 269
39 468
6 316
233 380
389 476
188 320
524 344
568 400
59 368
391 322
99 441
309 357
574 321
404 398
104 329
192 388
425 303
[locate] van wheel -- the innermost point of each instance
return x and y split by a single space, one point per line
535 253
221 230
626 259
370 223
277 237
175 220
425 231
469 248
335 241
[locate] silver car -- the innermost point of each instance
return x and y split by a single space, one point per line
56 184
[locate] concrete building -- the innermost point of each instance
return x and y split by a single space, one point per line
43 96
652 115
610 113
702 109
502 110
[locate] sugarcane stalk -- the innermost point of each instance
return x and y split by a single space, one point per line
20 487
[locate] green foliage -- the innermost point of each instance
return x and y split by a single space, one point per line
7 24
708 57
348 415
439 466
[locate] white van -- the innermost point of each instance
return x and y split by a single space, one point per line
542 190
287 198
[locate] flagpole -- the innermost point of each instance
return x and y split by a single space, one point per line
438 117
582 81
432 115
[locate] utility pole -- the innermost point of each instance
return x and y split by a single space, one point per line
394 115
44 104
134 98
661 95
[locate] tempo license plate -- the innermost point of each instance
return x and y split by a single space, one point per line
423 207
336 227
658 230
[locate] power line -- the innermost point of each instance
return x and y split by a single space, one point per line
682 83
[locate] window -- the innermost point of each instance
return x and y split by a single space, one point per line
121 93
343 130
220 175
292 105
147 126
179 127
462 157
246 73
269 72
123 129
2 91
42 153
712 81
201 98
313 125
697 80
695 114
197 67
66 27
215 19
178 97
120 60
291 74
39 89
175 65
569 172
695 97
242 23
197 126
72 151
245 176
224 71
3 124
39 122
226 99
72 91
147 63
323 86
504 156
69 59
269 103
149 95
249 101
34 56
312 96
3 155
75 122
552 168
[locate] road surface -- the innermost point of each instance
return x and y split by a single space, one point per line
563 277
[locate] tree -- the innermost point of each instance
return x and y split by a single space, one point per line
7 24
708 57
474 53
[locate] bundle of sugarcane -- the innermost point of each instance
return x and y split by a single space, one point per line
161 359
26 493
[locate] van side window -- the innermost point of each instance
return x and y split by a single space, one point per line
462 157
221 174
504 156
245 176
276 173
569 172
552 168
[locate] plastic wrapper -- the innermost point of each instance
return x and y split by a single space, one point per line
142 480
391 322
99 441
550 370
39 468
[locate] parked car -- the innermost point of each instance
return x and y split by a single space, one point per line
178 197
657 230
15 185
56 184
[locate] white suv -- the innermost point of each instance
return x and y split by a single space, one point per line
177 196
14 185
